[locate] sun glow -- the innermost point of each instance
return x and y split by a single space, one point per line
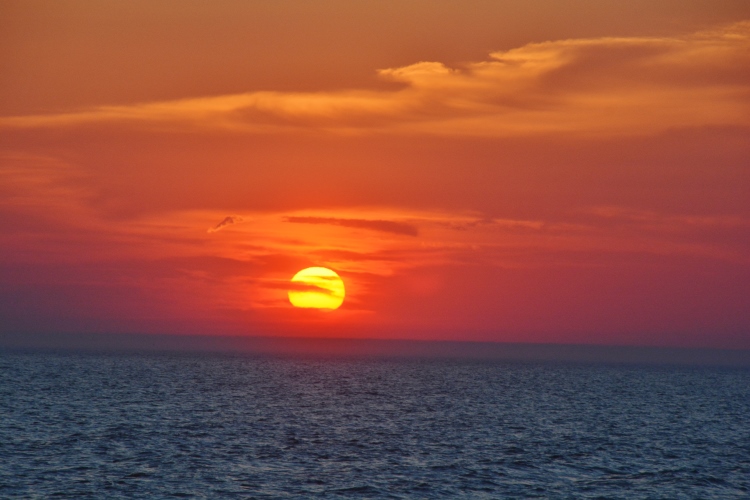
317 288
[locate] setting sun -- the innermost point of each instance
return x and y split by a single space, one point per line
317 288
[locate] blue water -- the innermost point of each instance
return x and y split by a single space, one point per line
216 426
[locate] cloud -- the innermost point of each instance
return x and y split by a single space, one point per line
385 226
347 255
626 85
298 287
227 221
505 224
645 218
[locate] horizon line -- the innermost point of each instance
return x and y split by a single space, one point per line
351 347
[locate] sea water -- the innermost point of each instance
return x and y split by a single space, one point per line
76 425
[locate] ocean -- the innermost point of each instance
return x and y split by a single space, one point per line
188 425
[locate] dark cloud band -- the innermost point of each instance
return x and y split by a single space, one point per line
385 226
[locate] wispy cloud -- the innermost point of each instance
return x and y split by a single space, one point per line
596 86
227 221
385 226
298 287
646 220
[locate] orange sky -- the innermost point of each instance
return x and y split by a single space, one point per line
521 171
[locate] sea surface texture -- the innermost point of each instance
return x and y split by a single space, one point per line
216 426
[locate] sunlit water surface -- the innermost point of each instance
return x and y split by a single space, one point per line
213 426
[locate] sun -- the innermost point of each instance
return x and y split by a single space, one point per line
317 288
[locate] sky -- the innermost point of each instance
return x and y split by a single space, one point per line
508 171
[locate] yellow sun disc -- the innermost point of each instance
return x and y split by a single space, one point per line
317 288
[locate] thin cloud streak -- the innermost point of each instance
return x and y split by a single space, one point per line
298 287
385 226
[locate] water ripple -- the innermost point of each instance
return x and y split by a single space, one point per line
152 426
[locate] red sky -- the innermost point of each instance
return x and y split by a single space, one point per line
512 171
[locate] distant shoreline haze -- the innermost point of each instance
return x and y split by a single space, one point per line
349 347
